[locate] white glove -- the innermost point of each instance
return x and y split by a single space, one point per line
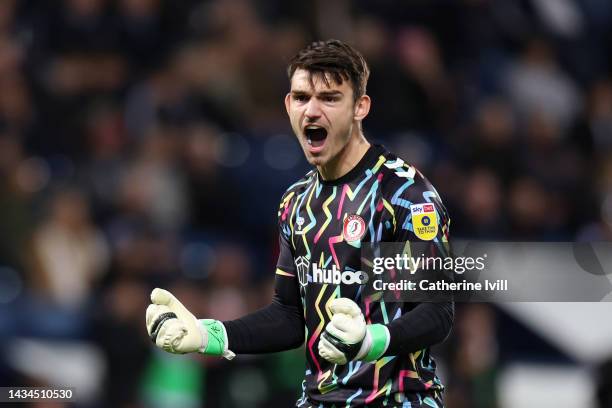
175 329
347 337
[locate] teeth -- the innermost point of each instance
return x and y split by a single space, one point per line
310 141
313 127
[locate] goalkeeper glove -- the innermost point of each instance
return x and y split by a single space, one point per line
347 337
175 329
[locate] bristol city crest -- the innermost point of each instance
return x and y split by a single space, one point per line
354 228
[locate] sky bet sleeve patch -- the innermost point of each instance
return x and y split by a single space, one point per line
424 221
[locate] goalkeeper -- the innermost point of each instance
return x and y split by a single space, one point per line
358 352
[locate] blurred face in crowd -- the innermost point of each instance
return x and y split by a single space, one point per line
85 8
326 118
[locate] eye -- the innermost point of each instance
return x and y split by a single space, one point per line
300 98
330 98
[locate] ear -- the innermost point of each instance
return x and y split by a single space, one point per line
287 102
362 107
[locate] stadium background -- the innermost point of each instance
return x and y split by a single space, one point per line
144 143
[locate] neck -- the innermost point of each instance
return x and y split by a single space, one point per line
346 159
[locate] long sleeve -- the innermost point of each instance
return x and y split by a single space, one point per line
280 325
276 327
427 323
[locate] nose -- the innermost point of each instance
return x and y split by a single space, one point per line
313 109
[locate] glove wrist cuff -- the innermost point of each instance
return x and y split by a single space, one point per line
215 335
375 343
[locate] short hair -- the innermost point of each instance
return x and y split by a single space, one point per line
333 59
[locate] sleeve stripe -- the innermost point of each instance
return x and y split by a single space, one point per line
283 273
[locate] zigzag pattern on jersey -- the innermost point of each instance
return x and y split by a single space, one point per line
327 213
298 204
402 170
317 331
347 192
324 384
386 389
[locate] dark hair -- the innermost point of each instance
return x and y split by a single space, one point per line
332 59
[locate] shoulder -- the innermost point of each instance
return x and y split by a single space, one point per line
404 185
414 203
295 189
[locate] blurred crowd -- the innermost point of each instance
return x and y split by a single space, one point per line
144 143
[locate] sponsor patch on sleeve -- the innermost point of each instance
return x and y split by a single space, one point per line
424 221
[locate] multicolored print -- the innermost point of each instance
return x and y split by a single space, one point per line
379 191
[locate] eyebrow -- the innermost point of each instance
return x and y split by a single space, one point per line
330 93
322 93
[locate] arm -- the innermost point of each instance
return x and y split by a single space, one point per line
277 327
347 336
425 325
429 323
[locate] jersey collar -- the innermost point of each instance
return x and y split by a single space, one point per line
367 161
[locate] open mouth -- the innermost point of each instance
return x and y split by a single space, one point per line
315 135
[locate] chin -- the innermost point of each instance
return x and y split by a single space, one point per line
319 160
315 161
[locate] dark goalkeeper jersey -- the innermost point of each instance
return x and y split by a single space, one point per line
323 225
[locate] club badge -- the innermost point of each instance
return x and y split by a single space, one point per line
354 228
424 221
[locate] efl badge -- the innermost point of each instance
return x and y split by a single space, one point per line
424 221
354 228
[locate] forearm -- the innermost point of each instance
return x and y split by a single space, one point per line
276 327
427 324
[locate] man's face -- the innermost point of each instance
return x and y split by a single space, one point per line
321 117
